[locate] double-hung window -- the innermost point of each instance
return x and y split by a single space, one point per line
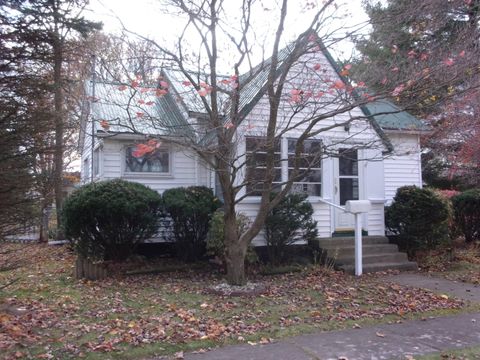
308 177
157 161
256 158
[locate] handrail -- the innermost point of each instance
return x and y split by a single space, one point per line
333 205
357 211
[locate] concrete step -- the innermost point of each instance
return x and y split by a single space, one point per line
350 241
367 249
388 258
378 254
369 268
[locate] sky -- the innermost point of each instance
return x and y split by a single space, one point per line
149 18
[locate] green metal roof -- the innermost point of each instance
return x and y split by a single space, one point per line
136 110
391 117
252 86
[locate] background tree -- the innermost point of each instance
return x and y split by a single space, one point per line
41 37
409 37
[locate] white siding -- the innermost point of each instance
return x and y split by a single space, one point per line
86 154
404 166
185 169
360 132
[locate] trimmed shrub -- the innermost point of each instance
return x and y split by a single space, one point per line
419 217
107 220
215 237
466 207
190 210
289 221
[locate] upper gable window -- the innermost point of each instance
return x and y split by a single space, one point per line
155 162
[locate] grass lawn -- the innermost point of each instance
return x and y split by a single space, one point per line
144 315
462 354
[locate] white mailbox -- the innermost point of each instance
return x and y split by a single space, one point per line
358 206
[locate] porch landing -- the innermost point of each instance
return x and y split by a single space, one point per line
378 254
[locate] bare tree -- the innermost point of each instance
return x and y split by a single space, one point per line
299 93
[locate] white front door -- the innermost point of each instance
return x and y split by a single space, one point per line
347 185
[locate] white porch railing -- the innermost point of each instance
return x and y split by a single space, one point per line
357 208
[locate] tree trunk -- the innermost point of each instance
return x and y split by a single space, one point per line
235 259
44 224
235 251
59 125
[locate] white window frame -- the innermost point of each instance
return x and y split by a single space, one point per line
284 165
320 168
164 148
247 153
98 150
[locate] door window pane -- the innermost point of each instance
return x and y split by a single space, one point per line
348 190
348 162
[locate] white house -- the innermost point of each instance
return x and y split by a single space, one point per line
385 143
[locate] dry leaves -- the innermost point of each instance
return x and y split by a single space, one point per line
64 318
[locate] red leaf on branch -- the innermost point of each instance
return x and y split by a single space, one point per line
317 67
143 149
164 84
105 125
449 61
161 92
339 84
186 83
122 87
134 83
140 114
398 90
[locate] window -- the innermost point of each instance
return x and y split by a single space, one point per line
348 175
96 161
86 169
155 162
309 175
256 157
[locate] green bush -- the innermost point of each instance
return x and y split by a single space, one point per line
215 237
289 221
466 207
107 220
190 210
419 217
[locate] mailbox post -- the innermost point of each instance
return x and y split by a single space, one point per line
358 207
